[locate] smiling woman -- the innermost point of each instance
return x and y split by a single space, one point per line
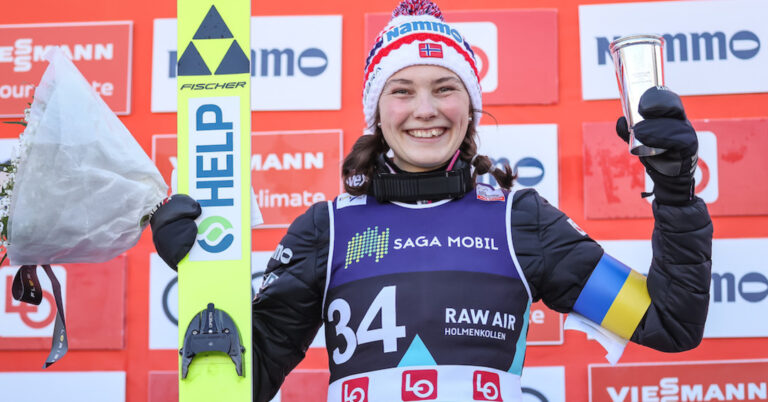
424 278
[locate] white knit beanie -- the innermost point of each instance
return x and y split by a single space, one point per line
417 35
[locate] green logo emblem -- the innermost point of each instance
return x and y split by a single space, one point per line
213 236
370 243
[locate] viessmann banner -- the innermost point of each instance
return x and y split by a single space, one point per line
295 63
712 47
500 40
724 380
100 50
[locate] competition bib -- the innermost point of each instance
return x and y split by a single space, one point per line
424 302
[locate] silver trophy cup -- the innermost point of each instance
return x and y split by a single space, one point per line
639 65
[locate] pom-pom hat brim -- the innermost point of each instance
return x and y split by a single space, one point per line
405 42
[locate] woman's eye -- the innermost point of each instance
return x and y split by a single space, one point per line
446 89
399 91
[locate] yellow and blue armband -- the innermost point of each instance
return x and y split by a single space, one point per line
615 296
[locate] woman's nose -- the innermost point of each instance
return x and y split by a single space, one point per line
426 107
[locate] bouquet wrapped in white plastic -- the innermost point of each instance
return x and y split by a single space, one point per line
83 188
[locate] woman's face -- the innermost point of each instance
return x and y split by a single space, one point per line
424 113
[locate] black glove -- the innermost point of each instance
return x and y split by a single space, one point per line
174 229
665 126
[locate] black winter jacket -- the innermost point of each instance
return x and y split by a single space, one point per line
556 260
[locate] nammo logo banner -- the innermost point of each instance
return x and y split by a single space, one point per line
703 39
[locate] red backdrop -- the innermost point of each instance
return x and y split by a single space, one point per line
133 354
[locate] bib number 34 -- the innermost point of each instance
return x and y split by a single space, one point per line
388 334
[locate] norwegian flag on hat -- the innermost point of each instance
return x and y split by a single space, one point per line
434 50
